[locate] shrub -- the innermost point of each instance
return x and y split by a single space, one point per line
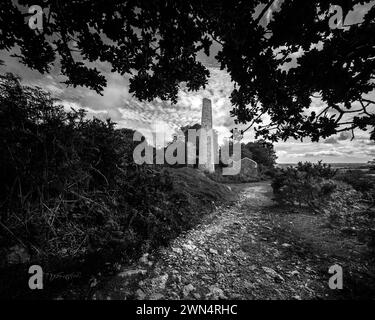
71 193
57 172
306 185
358 179
267 172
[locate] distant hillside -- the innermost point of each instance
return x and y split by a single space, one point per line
333 165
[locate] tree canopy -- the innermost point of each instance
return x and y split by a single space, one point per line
260 151
157 43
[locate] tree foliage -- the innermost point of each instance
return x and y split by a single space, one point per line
307 184
157 44
261 152
371 163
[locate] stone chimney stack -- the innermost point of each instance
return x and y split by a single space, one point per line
207 114
208 155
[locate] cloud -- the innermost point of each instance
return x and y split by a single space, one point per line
323 153
370 151
344 136
331 141
275 7
358 13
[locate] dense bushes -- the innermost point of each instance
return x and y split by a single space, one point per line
70 189
359 180
58 172
371 164
344 198
306 184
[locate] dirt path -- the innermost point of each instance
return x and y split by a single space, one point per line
243 251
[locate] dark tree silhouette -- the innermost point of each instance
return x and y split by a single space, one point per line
157 44
261 151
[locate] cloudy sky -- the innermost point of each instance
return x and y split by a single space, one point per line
147 117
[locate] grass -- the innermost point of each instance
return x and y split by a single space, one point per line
200 188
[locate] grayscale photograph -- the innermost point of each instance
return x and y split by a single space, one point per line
187 156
